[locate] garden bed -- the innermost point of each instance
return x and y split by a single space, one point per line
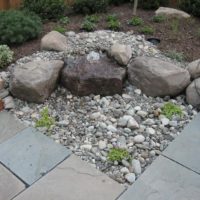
181 36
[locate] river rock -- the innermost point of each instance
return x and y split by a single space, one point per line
1 84
194 69
101 77
193 93
54 41
156 77
35 81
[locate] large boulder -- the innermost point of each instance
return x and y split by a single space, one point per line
121 53
193 93
156 77
84 76
54 41
194 69
171 12
35 81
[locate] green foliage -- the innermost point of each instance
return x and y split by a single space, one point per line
135 21
147 30
60 29
88 25
45 120
113 22
170 109
175 24
117 154
90 6
92 18
190 6
64 20
18 26
159 18
46 9
6 56
152 4
178 56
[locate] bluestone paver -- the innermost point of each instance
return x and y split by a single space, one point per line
73 179
9 126
165 180
10 186
186 147
30 154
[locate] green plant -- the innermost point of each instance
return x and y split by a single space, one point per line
18 26
64 20
175 55
190 6
175 24
152 4
117 154
114 25
88 25
170 109
92 18
46 9
60 29
45 120
147 30
6 56
112 17
159 18
135 21
90 6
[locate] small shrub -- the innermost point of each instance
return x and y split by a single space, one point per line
92 18
112 17
6 56
147 30
175 55
152 4
114 25
88 25
159 18
45 120
60 29
170 109
46 9
90 6
18 26
190 6
117 154
136 21
64 20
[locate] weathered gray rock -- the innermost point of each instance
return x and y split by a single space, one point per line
194 69
171 12
35 81
102 77
193 93
54 41
156 77
121 53
1 84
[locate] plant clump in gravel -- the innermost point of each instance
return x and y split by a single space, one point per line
117 154
170 109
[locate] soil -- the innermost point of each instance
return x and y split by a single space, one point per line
176 35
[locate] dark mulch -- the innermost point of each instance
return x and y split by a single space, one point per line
185 39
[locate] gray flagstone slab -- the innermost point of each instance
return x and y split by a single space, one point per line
10 186
73 179
165 180
30 154
186 147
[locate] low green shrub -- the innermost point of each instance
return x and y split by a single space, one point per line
17 26
147 30
90 6
88 25
46 9
6 56
158 18
135 21
64 20
112 17
117 154
113 22
178 56
190 6
60 29
92 18
170 109
152 4
46 120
